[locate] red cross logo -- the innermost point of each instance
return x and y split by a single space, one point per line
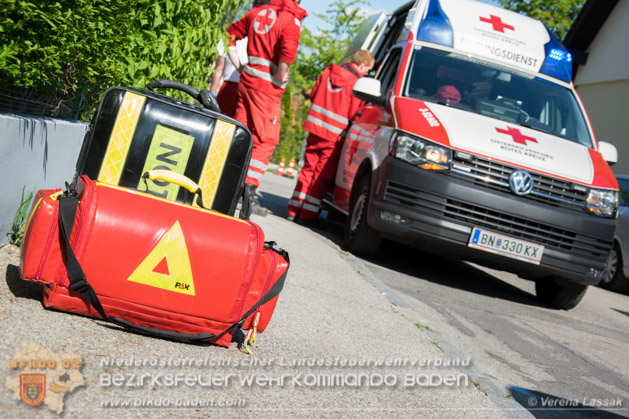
496 22
264 21
518 137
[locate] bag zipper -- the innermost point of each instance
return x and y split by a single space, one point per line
255 266
42 262
268 279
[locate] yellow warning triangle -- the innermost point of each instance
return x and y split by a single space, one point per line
171 247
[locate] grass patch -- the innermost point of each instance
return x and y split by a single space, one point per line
16 235
421 326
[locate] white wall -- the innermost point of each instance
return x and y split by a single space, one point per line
603 83
35 153
608 54
608 108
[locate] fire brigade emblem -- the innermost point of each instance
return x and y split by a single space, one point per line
264 21
32 388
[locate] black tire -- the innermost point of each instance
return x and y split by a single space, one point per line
559 294
335 216
359 237
613 277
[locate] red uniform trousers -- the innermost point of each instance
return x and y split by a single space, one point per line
227 97
320 161
260 112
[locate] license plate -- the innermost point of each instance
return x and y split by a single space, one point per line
504 245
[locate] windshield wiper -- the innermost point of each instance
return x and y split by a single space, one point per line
535 128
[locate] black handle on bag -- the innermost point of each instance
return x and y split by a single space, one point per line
204 96
208 101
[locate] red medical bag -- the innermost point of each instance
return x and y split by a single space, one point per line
149 264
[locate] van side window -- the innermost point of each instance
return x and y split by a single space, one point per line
389 70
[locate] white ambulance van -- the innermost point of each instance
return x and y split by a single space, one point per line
473 142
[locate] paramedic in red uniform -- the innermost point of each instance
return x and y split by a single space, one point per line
227 95
273 31
333 106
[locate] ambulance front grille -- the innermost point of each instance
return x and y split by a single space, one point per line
525 229
494 175
479 216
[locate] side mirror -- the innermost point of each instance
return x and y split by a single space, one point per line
368 89
609 152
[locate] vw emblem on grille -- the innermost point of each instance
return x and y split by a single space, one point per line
521 182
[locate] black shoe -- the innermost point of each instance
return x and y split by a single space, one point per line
258 209
254 205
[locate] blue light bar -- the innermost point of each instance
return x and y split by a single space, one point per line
558 62
436 27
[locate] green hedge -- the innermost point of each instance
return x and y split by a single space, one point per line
75 49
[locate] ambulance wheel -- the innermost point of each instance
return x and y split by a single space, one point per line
359 237
559 294
613 278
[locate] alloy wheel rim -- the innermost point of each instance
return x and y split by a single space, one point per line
610 269
358 211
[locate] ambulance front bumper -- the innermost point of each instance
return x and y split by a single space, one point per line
437 211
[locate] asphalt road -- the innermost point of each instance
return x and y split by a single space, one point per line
554 363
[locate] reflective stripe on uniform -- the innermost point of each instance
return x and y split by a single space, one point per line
324 125
258 165
308 207
294 203
329 114
301 196
260 61
264 76
312 200
254 174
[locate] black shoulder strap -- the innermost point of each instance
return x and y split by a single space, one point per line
68 206
351 69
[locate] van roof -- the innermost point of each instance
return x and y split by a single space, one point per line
476 28
491 32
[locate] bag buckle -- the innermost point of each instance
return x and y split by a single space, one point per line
80 286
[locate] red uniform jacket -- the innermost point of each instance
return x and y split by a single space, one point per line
333 104
273 32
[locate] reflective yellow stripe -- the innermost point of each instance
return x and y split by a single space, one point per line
30 217
121 136
215 160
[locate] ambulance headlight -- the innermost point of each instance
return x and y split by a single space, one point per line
420 153
602 202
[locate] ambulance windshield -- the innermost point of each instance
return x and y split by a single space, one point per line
496 92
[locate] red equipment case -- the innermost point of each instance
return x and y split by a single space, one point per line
149 264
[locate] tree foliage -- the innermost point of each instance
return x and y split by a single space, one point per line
78 48
558 15
316 52
329 45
